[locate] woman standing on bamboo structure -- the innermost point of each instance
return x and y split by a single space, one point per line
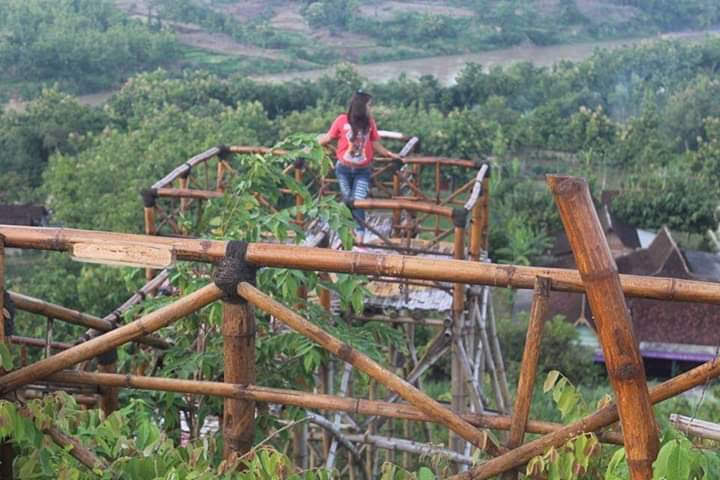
358 139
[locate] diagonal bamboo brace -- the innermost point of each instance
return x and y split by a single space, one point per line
363 363
614 326
92 348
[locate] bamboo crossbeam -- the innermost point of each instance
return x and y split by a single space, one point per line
138 296
257 150
612 320
404 445
40 307
92 348
593 422
477 188
695 427
531 354
368 366
188 193
401 266
355 406
38 342
81 399
425 160
186 167
390 204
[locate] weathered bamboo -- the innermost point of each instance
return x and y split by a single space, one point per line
410 446
612 320
238 331
259 150
81 399
7 453
184 185
186 167
424 160
356 406
116 315
87 350
337 434
109 399
37 342
299 219
498 357
528 369
485 217
365 364
401 266
344 383
600 419
695 427
184 193
75 448
220 177
395 230
457 385
40 307
392 204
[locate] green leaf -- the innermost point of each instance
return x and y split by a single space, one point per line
425 474
550 380
6 357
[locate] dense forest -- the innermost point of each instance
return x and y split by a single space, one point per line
644 121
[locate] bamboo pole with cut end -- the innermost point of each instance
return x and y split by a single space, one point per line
528 368
75 448
401 266
612 319
238 331
368 366
41 307
695 427
357 406
87 350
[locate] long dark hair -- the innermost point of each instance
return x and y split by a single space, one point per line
357 114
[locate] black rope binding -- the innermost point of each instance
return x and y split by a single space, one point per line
8 314
299 163
234 269
108 358
459 217
149 196
224 152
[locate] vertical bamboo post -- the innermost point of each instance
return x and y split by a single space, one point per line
528 369
238 330
485 217
458 388
107 363
396 211
7 454
299 219
184 183
149 197
220 176
622 356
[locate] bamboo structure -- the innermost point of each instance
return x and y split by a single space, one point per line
612 319
469 332
7 454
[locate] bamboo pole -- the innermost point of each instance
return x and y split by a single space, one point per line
87 350
337 435
238 331
184 184
395 230
186 167
73 446
457 385
149 210
695 427
189 193
299 219
528 369
109 399
365 364
115 316
401 266
219 184
413 206
344 383
356 406
612 321
46 309
410 446
7 452
37 342
499 361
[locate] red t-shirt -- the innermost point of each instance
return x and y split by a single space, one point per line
358 153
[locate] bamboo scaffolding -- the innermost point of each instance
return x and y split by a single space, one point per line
344 384
401 266
356 406
498 359
81 399
392 204
337 435
186 167
612 320
40 307
87 350
137 297
458 390
37 342
238 331
75 448
191 193
366 365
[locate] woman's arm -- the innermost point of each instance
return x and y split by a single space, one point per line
378 147
324 139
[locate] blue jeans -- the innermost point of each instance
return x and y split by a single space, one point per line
354 185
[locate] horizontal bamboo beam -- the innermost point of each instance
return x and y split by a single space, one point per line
597 420
259 150
424 160
695 427
138 296
391 203
38 342
188 193
355 406
92 348
40 307
325 260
